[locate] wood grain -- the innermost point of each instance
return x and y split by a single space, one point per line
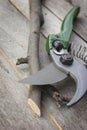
61 8
69 118
14 116
23 9
14 110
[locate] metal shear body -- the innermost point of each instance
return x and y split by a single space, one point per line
60 50
64 63
76 70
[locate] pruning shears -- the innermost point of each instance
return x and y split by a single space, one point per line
64 63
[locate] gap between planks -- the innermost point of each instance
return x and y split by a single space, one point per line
19 75
52 117
62 20
46 5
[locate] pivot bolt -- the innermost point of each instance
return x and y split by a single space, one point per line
66 59
58 45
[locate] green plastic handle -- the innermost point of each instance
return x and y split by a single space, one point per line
66 30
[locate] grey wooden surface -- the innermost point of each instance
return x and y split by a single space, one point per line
16 34
60 9
15 113
14 110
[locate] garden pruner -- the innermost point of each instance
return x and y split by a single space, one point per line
64 63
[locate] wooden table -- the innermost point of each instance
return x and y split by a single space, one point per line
14 29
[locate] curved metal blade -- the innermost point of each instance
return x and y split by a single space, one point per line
78 72
48 75
80 75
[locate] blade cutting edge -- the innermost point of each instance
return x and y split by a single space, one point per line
48 75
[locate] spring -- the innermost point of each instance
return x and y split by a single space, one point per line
79 51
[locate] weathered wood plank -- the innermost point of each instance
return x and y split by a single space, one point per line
14 23
73 118
14 33
82 4
13 48
65 116
5 66
52 24
23 9
11 45
53 27
60 9
14 110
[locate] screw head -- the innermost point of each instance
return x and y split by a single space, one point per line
66 59
58 45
